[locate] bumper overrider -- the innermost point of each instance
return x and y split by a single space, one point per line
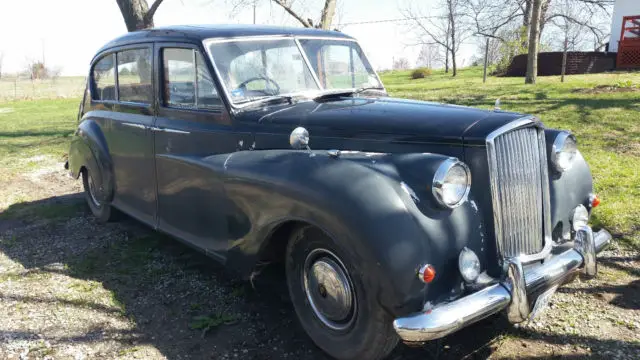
516 293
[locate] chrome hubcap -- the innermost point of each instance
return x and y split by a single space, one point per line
329 290
92 191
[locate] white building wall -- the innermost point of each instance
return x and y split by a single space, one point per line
621 8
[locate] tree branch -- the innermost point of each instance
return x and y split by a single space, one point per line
152 10
288 9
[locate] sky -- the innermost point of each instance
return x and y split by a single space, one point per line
67 33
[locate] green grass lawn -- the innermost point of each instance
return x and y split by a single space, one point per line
606 122
32 129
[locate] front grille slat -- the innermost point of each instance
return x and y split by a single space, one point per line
518 192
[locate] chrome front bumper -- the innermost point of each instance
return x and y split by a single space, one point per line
513 294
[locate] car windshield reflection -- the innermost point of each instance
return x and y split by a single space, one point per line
257 70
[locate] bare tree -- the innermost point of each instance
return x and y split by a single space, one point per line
289 6
137 14
447 29
489 17
430 56
400 64
35 69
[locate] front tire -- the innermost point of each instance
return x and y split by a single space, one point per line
336 310
100 209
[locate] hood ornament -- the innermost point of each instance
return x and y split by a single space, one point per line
497 105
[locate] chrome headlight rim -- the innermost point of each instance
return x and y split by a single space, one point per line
558 147
439 182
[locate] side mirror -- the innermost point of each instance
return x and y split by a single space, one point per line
299 138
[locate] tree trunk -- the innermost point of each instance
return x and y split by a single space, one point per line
526 21
453 39
564 58
534 37
454 65
137 14
486 61
446 61
327 14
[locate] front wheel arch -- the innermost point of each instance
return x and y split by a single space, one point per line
369 333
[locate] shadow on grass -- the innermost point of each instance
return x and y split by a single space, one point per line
162 286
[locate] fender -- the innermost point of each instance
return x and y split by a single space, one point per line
89 149
567 189
357 199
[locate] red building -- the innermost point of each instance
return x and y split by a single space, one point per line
629 44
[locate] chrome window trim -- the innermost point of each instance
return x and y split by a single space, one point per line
207 42
544 170
306 61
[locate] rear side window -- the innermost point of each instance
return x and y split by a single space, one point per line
104 78
134 76
187 81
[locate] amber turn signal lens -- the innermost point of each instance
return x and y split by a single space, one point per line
427 273
595 201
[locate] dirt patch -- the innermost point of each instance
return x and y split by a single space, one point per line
74 288
600 89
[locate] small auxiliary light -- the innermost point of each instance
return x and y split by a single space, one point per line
594 199
427 273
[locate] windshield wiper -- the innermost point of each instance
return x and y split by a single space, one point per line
337 94
273 99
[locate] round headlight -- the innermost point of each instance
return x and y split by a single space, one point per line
469 265
451 183
580 217
564 151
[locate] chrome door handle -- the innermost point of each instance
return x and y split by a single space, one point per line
137 126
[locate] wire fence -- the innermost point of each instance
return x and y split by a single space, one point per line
18 88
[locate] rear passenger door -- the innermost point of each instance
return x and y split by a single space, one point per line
128 133
192 123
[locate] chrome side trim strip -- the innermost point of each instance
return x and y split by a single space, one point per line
134 125
168 130
175 131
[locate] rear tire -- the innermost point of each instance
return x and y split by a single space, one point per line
337 311
100 209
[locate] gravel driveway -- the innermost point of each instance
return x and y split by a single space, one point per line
71 288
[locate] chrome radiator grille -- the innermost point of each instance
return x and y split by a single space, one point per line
519 184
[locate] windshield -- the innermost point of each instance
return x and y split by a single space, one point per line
255 69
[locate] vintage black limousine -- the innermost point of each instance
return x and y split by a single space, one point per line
396 219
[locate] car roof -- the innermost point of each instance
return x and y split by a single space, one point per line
197 33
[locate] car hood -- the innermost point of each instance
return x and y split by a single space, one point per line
388 118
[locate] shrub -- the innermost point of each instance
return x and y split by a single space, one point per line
420 73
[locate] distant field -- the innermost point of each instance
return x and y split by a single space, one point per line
24 89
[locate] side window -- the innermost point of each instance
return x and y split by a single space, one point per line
187 81
134 76
104 79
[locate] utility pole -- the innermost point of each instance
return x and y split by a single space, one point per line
43 60
486 60
255 2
